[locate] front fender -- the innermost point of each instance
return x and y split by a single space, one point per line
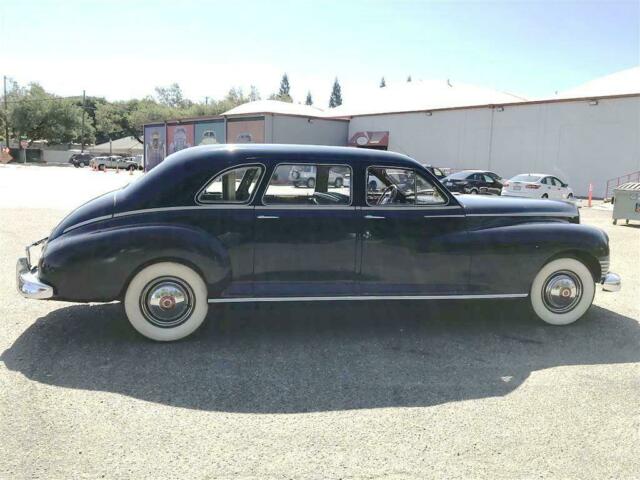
97 265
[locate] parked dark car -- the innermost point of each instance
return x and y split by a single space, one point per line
439 174
474 182
80 159
209 225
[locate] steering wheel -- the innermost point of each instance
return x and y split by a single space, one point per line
388 196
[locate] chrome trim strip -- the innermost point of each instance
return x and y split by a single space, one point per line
225 206
522 214
87 222
367 297
413 207
304 207
444 216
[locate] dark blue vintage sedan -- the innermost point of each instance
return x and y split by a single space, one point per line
217 224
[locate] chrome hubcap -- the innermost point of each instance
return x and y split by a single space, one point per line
167 302
562 292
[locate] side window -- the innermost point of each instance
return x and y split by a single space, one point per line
399 186
233 186
309 184
488 179
557 182
545 181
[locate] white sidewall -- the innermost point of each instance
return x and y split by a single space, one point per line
588 291
142 279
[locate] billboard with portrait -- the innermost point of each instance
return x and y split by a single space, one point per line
179 137
210 133
245 131
155 147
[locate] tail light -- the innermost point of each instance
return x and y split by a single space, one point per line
533 186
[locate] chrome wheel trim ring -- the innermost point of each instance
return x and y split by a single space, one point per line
167 302
562 291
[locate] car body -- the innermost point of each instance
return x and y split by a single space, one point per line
537 185
80 159
474 182
221 224
115 161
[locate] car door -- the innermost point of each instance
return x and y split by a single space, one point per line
559 190
305 236
547 187
493 187
413 236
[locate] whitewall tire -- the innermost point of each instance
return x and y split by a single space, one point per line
166 301
562 291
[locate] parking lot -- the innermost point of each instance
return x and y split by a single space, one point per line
361 390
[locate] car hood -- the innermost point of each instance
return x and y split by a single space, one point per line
504 206
99 207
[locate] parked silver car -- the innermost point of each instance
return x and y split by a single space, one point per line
114 161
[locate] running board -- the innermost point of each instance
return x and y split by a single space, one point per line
368 297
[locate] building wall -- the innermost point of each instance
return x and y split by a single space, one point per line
578 142
301 130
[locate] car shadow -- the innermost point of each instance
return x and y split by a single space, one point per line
291 358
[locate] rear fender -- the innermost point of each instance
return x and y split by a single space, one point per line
98 265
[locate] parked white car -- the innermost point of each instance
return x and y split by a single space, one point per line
537 185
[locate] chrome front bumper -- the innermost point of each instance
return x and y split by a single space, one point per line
28 283
611 282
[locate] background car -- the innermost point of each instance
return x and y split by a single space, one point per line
114 161
80 159
474 182
439 174
537 185
306 176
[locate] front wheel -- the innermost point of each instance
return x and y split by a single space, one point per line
562 291
166 301
131 168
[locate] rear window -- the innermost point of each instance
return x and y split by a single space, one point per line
526 178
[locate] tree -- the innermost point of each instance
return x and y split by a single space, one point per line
283 94
254 94
39 115
409 78
382 83
336 95
309 100
172 96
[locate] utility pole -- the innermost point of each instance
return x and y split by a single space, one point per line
206 100
82 134
6 113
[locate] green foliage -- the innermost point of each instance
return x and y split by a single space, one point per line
172 96
309 100
336 95
283 94
38 115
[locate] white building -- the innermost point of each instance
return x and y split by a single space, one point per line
585 135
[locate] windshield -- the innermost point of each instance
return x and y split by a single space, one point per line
526 178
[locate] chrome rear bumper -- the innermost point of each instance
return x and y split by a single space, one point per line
28 283
611 282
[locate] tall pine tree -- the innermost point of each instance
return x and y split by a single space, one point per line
382 83
409 78
309 100
336 95
283 93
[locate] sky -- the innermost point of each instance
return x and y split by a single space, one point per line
123 49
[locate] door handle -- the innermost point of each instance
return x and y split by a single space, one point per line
374 217
264 217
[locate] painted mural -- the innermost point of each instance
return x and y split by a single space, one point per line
154 146
245 131
210 133
179 137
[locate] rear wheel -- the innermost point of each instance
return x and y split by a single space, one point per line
101 167
545 196
311 183
81 163
166 301
562 291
